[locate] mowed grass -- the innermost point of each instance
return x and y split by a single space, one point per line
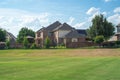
60 64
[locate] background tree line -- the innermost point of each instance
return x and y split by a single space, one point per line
100 29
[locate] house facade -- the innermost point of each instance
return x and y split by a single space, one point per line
60 34
116 37
118 32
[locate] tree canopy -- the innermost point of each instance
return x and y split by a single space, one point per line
24 32
100 26
2 35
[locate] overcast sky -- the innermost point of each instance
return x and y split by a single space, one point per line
15 14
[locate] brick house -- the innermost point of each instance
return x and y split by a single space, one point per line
118 32
116 37
60 34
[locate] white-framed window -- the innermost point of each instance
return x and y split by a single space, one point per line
74 40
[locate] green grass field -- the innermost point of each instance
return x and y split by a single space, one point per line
60 64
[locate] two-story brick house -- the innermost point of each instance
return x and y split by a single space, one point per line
116 37
118 32
60 34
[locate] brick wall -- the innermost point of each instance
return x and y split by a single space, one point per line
79 44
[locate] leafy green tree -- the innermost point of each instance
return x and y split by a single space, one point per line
100 26
47 43
99 39
24 32
8 43
2 35
25 43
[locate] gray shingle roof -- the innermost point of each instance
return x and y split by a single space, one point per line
82 31
73 34
12 37
53 26
63 26
43 28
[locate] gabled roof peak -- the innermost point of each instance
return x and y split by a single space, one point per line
63 26
53 26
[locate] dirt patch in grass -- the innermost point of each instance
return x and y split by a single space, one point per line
60 52
77 52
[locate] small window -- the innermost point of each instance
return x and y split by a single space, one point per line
74 40
38 34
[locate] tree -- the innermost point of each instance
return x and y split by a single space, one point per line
2 35
100 26
8 43
47 43
99 39
24 32
25 43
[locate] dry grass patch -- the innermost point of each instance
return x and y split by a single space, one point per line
61 52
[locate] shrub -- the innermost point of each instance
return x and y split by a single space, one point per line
117 43
99 39
8 43
25 43
33 46
2 45
47 43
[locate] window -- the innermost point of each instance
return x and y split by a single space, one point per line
74 40
38 34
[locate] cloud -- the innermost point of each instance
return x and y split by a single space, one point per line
13 20
117 10
114 19
107 0
104 13
71 19
82 25
92 11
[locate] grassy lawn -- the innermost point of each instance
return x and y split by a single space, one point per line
60 64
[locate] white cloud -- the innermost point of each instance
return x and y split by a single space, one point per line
104 13
13 20
107 0
71 19
117 10
114 19
82 25
93 10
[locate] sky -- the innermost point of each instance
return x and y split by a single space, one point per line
33 14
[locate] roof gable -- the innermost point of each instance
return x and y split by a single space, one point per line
53 26
63 26
11 37
40 30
